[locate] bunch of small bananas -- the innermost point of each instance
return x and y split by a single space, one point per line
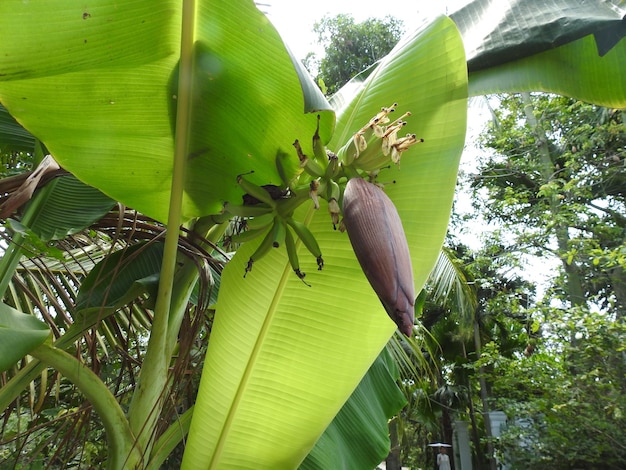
369 216
268 212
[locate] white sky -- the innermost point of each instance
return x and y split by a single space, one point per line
294 19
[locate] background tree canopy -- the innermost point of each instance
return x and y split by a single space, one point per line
350 47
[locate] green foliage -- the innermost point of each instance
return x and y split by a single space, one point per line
558 189
483 305
565 404
350 47
552 179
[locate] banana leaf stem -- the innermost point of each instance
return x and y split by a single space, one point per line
120 439
148 397
14 252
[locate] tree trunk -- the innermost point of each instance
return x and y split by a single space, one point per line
618 282
575 291
393 460
479 456
446 423
484 396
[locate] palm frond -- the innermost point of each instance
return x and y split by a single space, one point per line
450 285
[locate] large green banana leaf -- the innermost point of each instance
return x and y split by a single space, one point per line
97 83
284 357
560 46
13 137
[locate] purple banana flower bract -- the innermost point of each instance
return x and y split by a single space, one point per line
380 245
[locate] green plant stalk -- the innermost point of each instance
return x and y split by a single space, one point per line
13 253
120 439
168 441
147 400
186 278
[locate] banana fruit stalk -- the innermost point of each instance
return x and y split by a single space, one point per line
377 237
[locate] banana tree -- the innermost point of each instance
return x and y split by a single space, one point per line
180 110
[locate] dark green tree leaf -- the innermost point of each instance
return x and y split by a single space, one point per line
20 333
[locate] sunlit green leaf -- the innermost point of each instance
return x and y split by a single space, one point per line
571 48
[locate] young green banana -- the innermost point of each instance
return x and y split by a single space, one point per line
256 191
332 170
279 230
246 235
292 253
298 196
245 211
309 165
262 250
303 232
260 221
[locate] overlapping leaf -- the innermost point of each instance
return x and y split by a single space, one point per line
120 278
358 436
19 334
571 48
66 206
13 137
